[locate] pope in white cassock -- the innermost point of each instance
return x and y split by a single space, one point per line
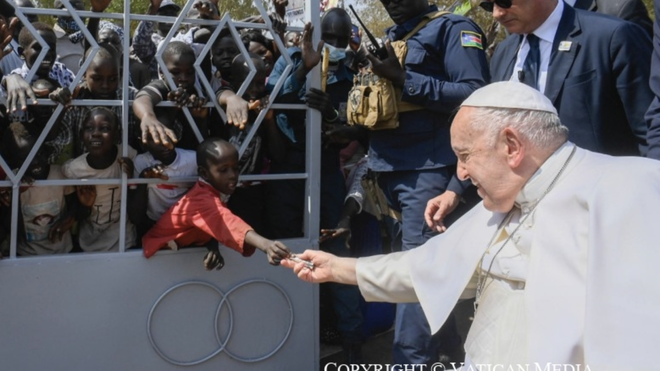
562 254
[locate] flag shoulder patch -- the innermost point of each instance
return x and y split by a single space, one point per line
471 39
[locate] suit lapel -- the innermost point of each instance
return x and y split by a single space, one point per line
561 61
504 69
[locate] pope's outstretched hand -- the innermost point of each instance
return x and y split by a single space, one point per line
322 271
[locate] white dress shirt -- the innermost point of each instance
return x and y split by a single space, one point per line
546 34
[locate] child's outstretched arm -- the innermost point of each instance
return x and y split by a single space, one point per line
143 107
275 250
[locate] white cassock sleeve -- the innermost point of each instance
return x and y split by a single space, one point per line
622 322
436 274
386 278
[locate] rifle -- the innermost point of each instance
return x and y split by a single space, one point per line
379 52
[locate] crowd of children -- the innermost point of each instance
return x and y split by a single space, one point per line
85 141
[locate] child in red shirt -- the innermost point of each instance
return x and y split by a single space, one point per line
201 217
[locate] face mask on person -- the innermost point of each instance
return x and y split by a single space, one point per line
69 25
335 54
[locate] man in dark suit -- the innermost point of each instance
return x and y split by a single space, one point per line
593 68
631 10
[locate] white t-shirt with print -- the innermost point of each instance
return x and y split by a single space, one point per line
41 208
100 232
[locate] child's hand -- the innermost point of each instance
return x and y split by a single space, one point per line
59 229
154 172
159 132
196 105
126 165
86 195
18 90
237 111
328 234
276 251
63 96
279 24
196 102
179 96
207 10
213 259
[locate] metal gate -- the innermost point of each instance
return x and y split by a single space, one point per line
120 311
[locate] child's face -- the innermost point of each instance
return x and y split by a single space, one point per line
182 70
31 52
102 78
223 53
99 134
265 54
222 171
257 88
160 152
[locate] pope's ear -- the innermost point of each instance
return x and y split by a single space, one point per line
514 146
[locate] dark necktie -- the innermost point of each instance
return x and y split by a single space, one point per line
532 64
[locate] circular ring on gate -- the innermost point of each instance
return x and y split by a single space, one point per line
222 344
286 336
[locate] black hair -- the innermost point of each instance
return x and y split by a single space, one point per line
25 37
106 51
259 38
178 48
99 109
211 149
240 69
227 33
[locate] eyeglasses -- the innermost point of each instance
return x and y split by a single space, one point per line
488 5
